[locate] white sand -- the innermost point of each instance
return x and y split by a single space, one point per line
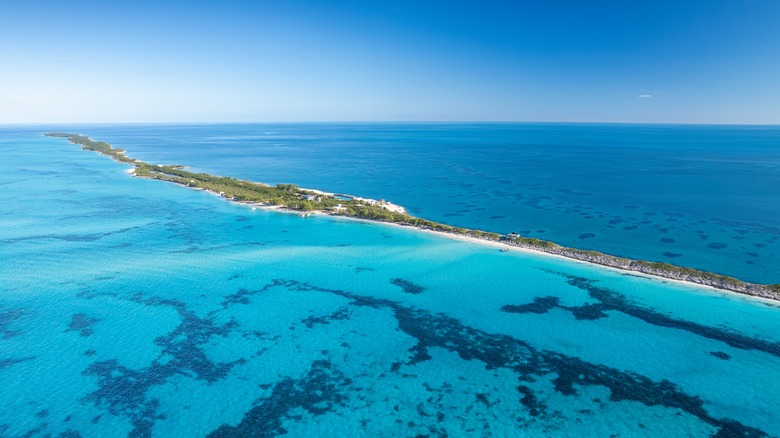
500 245
474 240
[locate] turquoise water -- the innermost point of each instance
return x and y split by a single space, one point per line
697 196
140 308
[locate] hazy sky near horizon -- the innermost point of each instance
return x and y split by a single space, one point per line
707 61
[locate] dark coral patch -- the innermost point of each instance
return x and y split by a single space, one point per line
339 314
667 240
122 391
502 351
8 362
716 245
542 305
530 401
407 286
539 305
6 320
720 355
611 300
240 297
69 237
587 236
588 312
322 388
81 323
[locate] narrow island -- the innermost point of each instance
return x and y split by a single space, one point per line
307 201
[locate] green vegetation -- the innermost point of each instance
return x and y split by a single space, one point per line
236 189
534 242
292 197
689 272
97 146
288 195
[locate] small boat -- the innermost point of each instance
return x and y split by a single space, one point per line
504 249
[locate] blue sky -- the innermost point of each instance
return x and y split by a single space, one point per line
707 61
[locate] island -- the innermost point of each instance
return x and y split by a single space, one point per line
307 201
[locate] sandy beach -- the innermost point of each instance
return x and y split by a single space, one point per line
474 240
530 251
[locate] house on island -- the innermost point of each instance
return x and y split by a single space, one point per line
512 236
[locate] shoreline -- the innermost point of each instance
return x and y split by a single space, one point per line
535 252
304 202
710 289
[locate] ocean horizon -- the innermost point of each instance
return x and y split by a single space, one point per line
148 309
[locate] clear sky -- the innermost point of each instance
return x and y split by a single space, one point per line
709 61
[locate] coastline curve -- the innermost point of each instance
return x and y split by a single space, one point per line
291 197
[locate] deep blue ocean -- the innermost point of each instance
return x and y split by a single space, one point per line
132 307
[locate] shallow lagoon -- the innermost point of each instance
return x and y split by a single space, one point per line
141 307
